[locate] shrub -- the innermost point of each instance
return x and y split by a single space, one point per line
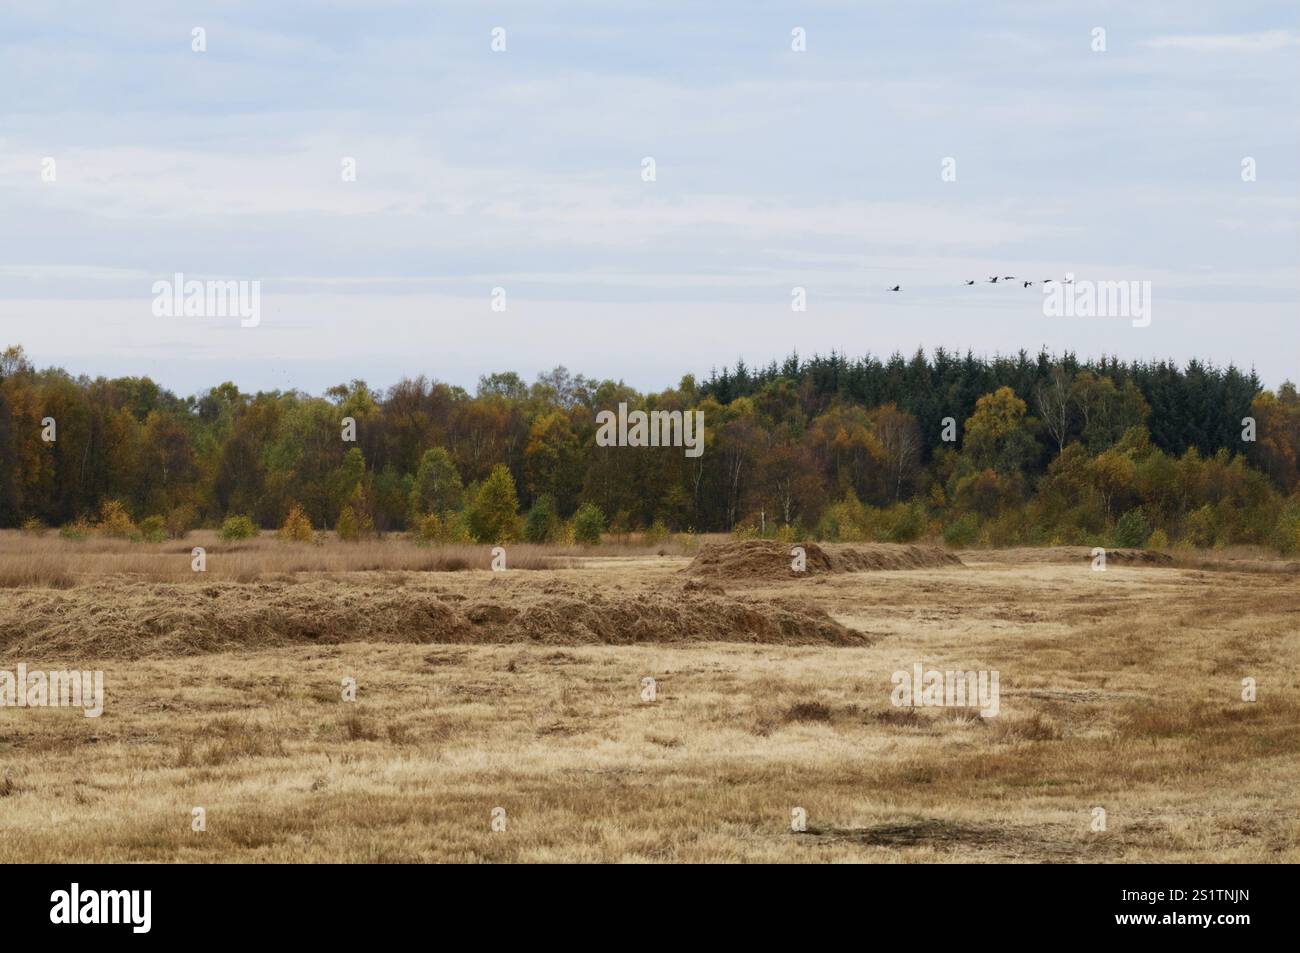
588 524
1132 529
564 533
848 521
34 527
433 528
354 524
1158 540
114 520
425 529
493 516
180 520
238 527
1013 527
76 530
620 525
904 522
346 527
656 534
964 532
1285 537
540 523
1199 528
153 529
296 527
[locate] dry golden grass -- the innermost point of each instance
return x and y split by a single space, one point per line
1120 690
51 561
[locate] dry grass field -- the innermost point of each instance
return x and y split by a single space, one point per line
523 690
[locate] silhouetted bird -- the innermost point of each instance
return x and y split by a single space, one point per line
1046 280
896 288
971 282
1069 281
993 280
1028 283
1008 277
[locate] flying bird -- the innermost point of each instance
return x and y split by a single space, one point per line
896 288
1028 283
971 282
1008 277
993 280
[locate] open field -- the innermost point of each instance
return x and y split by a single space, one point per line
1119 689
52 562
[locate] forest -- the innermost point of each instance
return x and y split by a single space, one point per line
1008 450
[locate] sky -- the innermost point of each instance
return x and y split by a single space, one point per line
523 170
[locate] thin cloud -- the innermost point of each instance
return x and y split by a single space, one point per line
1264 42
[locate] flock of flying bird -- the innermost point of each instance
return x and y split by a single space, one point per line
994 279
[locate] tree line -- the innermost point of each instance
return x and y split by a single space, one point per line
996 451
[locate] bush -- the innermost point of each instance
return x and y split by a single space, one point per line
493 516
423 529
1014 527
34 527
296 527
1200 527
588 524
1158 540
114 520
964 532
1132 529
540 523
620 525
354 524
180 520
656 534
1286 534
451 528
904 522
238 527
848 521
153 529
346 527
76 530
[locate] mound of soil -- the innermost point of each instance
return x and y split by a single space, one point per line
139 620
1135 557
767 559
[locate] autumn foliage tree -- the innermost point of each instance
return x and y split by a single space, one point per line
1011 449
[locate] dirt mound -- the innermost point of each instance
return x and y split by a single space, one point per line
1136 557
141 620
766 559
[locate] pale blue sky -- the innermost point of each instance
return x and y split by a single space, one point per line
522 170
